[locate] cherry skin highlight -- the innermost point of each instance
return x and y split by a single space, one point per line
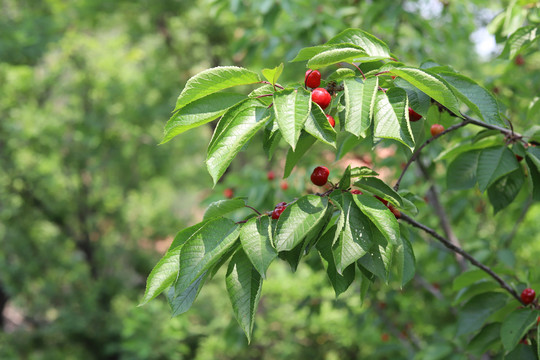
321 97
320 175
313 78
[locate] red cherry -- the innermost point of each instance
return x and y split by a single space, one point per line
519 158
278 210
356 192
413 115
436 129
228 193
284 185
527 296
385 337
313 78
320 175
538 321
321 97
270 175
519 60
331 120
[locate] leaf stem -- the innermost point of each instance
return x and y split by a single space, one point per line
274 85
463 253
252 208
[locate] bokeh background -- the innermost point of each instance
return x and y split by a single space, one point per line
89 201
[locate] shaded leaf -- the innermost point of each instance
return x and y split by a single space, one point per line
222 207
504 191
293 156
318 126
380 215
378 187
493 164
244 286
461 173
516 325
476 311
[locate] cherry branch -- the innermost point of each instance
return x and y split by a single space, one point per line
463 253
426 143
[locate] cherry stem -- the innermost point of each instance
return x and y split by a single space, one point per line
426 143
382 72
252 208
361 72
463 253
269 83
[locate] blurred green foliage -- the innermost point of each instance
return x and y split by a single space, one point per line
88 200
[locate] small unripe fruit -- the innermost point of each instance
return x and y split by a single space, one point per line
436 129
270 175
319 176
284 185
356 192
331 120
527 296
321 97
413 115
228 193
313 78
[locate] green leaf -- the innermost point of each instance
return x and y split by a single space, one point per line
340 282
213 80
404 257
340 74
180 303
200 112
233 131
493 164
371 45
355 238
272 75
521 352
292 108
204 249
359 104
378 187
345 181
256 239
362 171
461 173
293 156
271 137
533 178
380 215
166 270
346 144
482 341
297 220
334 56
476 311
222 207
477 98
309 52
318 126
391 111
478 287
244 286
468 278
261 93
430 84
515 326
520 39
505 190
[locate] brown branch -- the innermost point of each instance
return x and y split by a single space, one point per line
426 143
463 253
433 197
